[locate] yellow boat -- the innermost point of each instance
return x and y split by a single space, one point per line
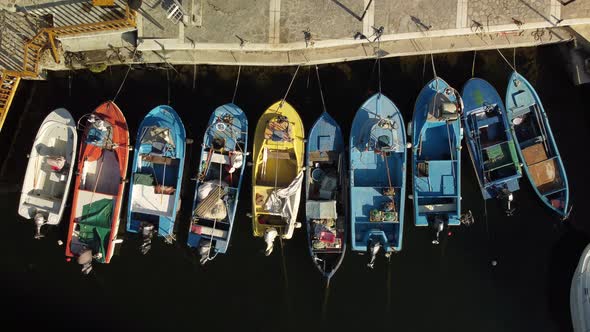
277 173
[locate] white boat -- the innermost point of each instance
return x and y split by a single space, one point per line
580 294
49 171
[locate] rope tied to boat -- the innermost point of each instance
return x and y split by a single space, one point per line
506 60
233 98
124 78
289 88
473 64
320 86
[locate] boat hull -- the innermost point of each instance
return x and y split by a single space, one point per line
325 195
99 186
535 145
579 294
45 189
234 133
436 162
283 165
161 157
374 169
489 139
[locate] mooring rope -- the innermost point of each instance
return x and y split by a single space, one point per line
506 60
289 88
233 98
125 78
320 85
514 58
473 64
168 82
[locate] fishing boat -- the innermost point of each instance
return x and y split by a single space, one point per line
324 205
156 176
277 173
99 186
579 295
377 177
49 170
535 145
436 151
219 180
489 141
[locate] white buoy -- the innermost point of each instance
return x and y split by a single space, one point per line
494 262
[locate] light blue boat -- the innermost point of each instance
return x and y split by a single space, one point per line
219 180
436 151
325 207
535 145
156 175
377 177
489 141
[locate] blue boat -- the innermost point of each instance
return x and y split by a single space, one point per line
535 144
156 175
219 180
436 151
324 188
377 177
489 141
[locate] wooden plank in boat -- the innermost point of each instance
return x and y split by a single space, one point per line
159 160
534 154
545 174
278 154
323 156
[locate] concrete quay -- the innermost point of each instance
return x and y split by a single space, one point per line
290 32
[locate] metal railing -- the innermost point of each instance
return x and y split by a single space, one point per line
8 86
46 37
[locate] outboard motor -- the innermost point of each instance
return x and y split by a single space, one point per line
374 248
439 225
506 196
39 221
269 237
204 251
147 232
85 259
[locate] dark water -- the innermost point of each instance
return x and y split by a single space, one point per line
451 287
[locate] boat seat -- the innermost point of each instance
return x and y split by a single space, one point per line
208 231
437 208
42 201
325 156
487 121
219 158
518 111
280 154
158 159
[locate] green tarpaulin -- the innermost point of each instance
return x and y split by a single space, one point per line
95 225
144 179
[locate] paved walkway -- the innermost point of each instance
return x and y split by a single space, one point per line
286 21
284 32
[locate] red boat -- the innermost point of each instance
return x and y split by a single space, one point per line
100 182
